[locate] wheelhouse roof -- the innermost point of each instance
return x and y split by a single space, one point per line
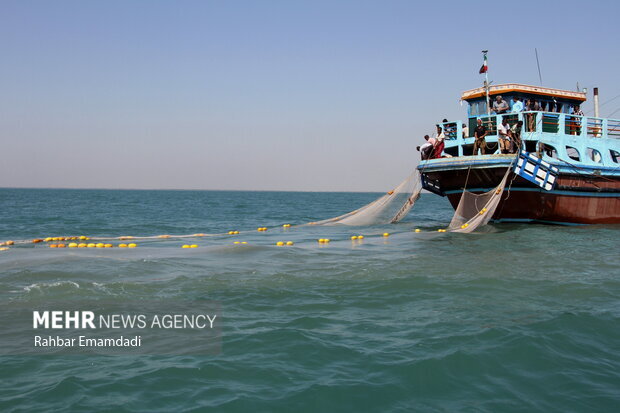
525 89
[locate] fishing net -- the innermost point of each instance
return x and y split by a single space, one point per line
475 210
390 208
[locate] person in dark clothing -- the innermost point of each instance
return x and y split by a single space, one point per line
479 134
515 137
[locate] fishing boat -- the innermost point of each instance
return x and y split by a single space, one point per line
564 170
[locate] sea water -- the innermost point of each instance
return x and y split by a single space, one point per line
513 318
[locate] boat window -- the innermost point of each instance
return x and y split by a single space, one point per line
550 151
594 155
477 108
615 156
573 153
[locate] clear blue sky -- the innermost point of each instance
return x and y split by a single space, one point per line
267 95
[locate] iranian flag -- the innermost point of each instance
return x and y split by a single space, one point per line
485 66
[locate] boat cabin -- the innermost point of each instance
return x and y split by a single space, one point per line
552 131
550 100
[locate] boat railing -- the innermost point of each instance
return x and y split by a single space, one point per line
536 125
541 122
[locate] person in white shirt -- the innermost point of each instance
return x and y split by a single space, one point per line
503 136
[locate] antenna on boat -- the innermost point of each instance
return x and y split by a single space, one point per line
538 64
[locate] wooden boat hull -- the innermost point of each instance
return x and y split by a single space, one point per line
576 198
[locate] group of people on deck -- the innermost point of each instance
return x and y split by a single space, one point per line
509 136
433 148
500 106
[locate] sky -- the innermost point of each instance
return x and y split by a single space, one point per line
267 95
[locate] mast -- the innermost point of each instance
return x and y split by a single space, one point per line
486 80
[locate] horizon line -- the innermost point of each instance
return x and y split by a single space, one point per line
183 189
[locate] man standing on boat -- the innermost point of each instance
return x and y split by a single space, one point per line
479 134
500 106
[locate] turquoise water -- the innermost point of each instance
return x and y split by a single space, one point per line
516 318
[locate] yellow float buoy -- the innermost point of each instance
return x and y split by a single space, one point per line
48 239
82 237
185 246
386 234
91 245
354 237
237 242
286 225
109 246
10 242
122 245
36 240
100 245
289 243
4 249
82 245
279 243
193 246
417 230
244 242
53 246
360 237
199 235
61 245
132 245
73 245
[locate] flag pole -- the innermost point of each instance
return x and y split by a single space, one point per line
486 82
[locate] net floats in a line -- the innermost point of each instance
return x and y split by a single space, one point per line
190 246
84 245
283 243
261 229
92 245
